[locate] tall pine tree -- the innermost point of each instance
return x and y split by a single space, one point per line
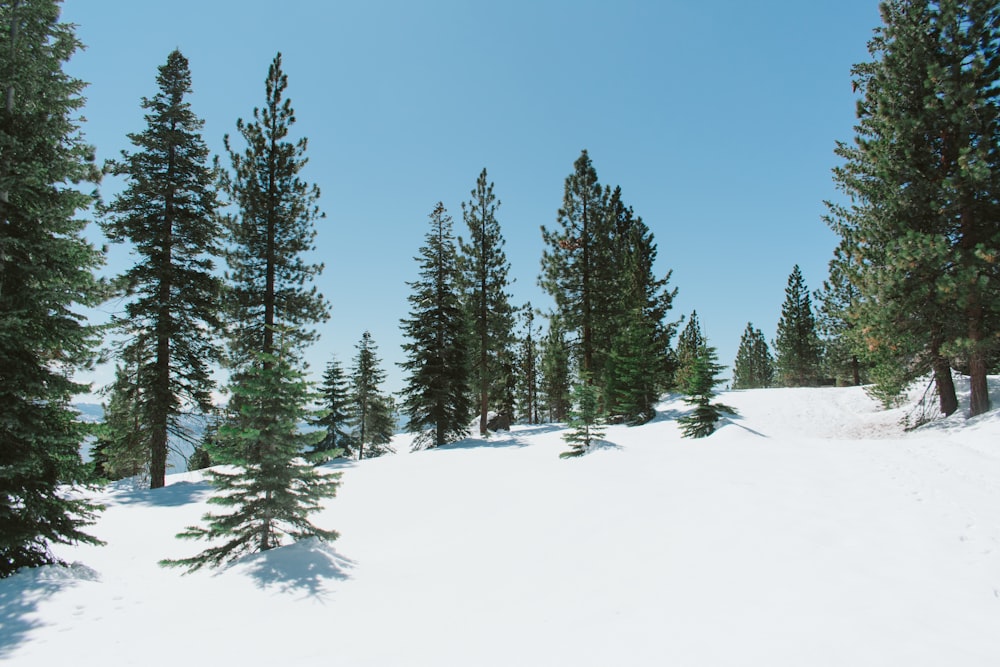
556 367
923 175
272 231
436 396
837 300
484 272
571 260
529 368
167 211
796 343
271 489
372 412
637 366
334 418
123 437
689 345
46 269
754 367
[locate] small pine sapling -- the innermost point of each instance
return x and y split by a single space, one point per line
699 388
269 488
586 420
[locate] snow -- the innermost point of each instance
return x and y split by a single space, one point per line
809 530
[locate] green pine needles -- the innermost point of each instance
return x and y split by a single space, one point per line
700 390
46 272
437 393
269 486
586 421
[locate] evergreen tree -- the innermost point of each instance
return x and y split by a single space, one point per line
335 416
796 343
201 456
372 416
270 490
637 365
46 270
572 257
700 390
598 266
922 175
274 228
167 211
528 368
633 385
585 420
754 367
436 396
689 345
837 299
123 436
485 270
556 368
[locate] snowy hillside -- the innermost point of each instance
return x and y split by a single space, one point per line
810 531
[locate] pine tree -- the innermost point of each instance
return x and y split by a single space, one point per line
270 490
124 434
335 415
274 228
484 268
837 300
689 345
167 211
633 385
754 367
700 390
556 369
572 257
372 418
585 420
436 396
796 343
46 270
528 368
922 176
637 366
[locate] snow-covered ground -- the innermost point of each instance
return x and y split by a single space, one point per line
809 531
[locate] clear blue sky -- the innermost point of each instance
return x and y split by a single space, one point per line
717 119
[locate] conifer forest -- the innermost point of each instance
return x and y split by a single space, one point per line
223 298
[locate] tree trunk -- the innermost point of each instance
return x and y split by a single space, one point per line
945 386
161 383
856 370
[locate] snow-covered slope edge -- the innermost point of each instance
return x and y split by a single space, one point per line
810 530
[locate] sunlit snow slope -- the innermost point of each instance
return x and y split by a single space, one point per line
809 531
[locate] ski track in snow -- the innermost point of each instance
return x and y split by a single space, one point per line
809 530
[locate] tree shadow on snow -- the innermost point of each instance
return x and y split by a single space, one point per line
21 593
667 416
175 495
732 420
598 445
521 437
304 566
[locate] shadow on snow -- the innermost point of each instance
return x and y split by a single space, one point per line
175 495
304 566
500 440
21 593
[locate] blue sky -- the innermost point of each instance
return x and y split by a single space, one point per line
718 120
